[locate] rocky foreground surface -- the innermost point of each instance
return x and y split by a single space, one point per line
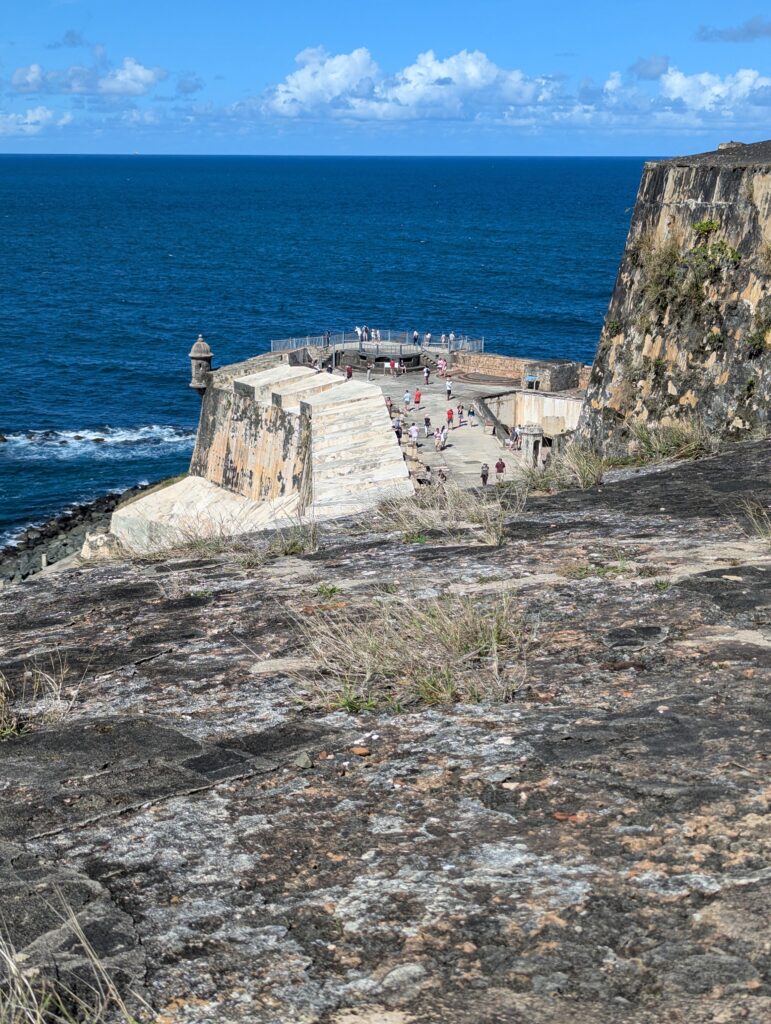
595 850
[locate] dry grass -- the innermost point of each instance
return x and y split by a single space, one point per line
48 693
448 507
756 519
684 440
403 653
576 467
27 997
298 537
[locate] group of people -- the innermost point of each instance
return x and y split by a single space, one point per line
514 440
367 334
500 470
445 340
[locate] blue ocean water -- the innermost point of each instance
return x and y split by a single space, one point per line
110 266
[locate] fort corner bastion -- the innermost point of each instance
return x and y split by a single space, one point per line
688 331
277 442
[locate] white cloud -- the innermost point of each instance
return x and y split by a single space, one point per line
351 86
705 92
130 79
31 122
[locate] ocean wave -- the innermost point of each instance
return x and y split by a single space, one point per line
108 442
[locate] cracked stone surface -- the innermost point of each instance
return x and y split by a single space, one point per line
595 850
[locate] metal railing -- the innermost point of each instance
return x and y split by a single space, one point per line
380 343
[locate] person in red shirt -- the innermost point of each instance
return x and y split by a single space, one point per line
417 398
392 366
450 418
500 469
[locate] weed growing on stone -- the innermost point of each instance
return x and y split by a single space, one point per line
26 997
446 507
402 653
299 538
576 467
10 723
687 439
756 519
662 585
327 590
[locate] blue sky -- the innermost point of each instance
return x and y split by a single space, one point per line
382 76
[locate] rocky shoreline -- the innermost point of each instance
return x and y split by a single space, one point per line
59 537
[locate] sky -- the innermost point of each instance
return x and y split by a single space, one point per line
371 77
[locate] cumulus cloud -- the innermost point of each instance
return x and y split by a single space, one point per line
649 69
352 86
130 79
31 122
747 32
706 92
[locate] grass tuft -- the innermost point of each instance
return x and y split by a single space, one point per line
401 653
756 519
445 508
576 467
687 439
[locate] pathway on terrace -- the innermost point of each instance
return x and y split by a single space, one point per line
467 447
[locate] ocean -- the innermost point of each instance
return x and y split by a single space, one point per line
111 266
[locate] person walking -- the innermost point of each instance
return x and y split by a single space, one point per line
415 337
450 418
427 425
413 432
517 437
444 438
398 432
461 411
418 397
426 375
448 388
407 400
388 403
392 365
484 473
370 368
472 416
438 439
500 469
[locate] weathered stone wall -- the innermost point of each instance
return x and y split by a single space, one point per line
553 375
688 331
252 448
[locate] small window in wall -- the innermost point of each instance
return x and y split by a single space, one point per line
532 382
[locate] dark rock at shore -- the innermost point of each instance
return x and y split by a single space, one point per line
593 850
60 537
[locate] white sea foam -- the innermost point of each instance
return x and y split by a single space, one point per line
109 442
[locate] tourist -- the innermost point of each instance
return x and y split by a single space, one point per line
443 340
370 368
388 403
402 366
438 439
413 432
448 387
427 478
484 473
398 432
441 476
450 418
461 411
326 339
330 368
500 469
407 400
392 364
415 337
358 332
452 338
472 416
443 438
348 372
427 338
426 375
427 425
418 397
